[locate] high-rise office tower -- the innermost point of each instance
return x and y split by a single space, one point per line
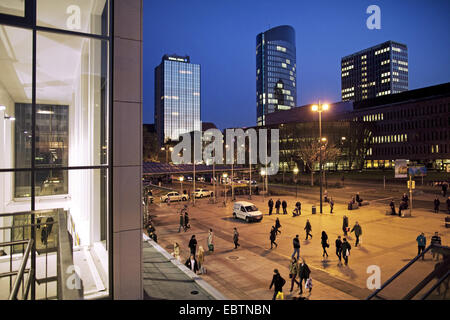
276 71
177 98
374 72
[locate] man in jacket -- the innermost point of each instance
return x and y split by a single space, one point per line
193 245
181 222
296 245
277 206
421 243
331 204
277 226
303 274
270 203
273 237
186 221
284 205
358 232
278 283
345 225
392 205
236 238
192 264
437 203
298 205
339 248
346 247
308 229
293 272
436 239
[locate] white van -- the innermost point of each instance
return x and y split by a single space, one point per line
246 211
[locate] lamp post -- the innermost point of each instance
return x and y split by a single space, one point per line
295 180
167 149
181 187
320 108
263 173
225 175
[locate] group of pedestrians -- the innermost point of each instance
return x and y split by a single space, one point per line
278 204
437 203
296 269
422 243
195 262
404 205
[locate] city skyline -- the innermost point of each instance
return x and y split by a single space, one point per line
226 49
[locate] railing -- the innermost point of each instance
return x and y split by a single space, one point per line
20 276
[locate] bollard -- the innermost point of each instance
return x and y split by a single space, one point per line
313 209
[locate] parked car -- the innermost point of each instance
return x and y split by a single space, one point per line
200 193
174 196
246 211
246 181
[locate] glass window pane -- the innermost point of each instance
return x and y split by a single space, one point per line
72 100
87 16
13 7
15 88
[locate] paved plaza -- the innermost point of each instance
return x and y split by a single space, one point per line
387 241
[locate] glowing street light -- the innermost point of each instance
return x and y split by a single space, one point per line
296 173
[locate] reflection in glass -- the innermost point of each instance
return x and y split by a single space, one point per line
13 7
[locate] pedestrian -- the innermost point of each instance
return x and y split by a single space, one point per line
325 196
236 238
392 205
437 203
277 225
358 232
296 245
273 237
277 206
403 206
421 243
192 264
154 236
405 199
339 249
181 222
308 229
193 244
331 204
270 203
435 240
298 205
186 221
358 199
346 247
284 205
303 274
176 251
448 205
293 271
444 189
278 283
201 259
345 225
324 242
210 241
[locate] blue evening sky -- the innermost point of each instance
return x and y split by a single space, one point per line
221 37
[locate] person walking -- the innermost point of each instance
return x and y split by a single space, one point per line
181 222
293 271
303 274
176 251
284 205
346 247
277 206
210 241
436 240
270 203
201 259
392 205
273 237
358 232
308 229
324 242
448 205
339 249
278 283
325 196
298 205
345 225
296 245
186 221
193 244
331 204
437 203
277 226
444 189
192 264
421 243
358 199
236 238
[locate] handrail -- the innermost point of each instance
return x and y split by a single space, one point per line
13 294
436 285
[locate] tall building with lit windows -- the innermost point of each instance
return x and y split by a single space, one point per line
177 98
276 71
375 72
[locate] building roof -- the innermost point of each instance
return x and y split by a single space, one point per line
390 42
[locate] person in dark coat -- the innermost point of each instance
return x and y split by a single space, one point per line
181 222
277 206
186 221
298 205
303 274
331 204
403 206
339 248
277 282
345 225
444 189
236 238
358 232
392 205
448 205
284 205
296 245
273 237
436 239
437 203
270 204
192 264
358 199
193 244
346 247
324 242
308 229
405 199
277 226
154 236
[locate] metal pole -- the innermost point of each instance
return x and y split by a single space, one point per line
193 193
232 180
320 155
410 195
250 168
214 179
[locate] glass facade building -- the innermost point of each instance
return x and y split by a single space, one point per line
276 71
375 72
177 98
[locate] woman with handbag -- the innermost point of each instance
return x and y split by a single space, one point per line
325 244
293 270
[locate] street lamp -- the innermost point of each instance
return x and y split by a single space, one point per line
320 108
167 149
263 173
295 180
181 187
225 175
